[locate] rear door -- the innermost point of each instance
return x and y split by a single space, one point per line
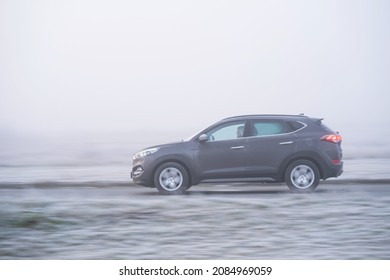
269 143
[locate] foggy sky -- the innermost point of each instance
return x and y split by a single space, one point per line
182 65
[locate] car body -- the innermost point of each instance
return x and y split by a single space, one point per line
295 149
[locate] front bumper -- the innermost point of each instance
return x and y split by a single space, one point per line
136 172
141 172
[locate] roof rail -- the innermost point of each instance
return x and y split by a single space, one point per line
265 115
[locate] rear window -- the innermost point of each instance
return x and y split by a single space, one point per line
294 126
262 128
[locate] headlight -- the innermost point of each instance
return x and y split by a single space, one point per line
145 153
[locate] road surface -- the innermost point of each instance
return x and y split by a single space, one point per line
237 221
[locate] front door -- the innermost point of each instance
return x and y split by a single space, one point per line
223 154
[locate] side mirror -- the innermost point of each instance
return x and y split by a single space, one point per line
203 138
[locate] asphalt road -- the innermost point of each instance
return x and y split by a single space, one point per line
237 221
121 189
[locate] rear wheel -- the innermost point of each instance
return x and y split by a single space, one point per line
302 176
171 178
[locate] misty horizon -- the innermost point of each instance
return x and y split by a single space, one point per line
124 66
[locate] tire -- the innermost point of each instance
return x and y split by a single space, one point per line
302 176
171 178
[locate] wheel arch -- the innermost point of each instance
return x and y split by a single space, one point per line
178 161
310 156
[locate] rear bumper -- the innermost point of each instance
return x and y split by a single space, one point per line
333 170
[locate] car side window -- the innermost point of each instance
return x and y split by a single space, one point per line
263 128
294 126
227 131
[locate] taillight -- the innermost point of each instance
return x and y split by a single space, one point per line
336 161
332 138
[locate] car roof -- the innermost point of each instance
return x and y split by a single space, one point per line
267 116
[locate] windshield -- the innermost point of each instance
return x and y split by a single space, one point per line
192 136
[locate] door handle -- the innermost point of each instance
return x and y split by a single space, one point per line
286 143
237 147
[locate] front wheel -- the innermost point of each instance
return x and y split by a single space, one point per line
302 176
171 178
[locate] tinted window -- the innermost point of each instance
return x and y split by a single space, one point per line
294 126
227 131
262 128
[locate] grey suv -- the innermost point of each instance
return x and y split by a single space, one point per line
294 149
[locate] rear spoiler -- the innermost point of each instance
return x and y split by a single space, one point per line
317 120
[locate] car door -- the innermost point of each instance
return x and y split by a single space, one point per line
222 155
270 142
